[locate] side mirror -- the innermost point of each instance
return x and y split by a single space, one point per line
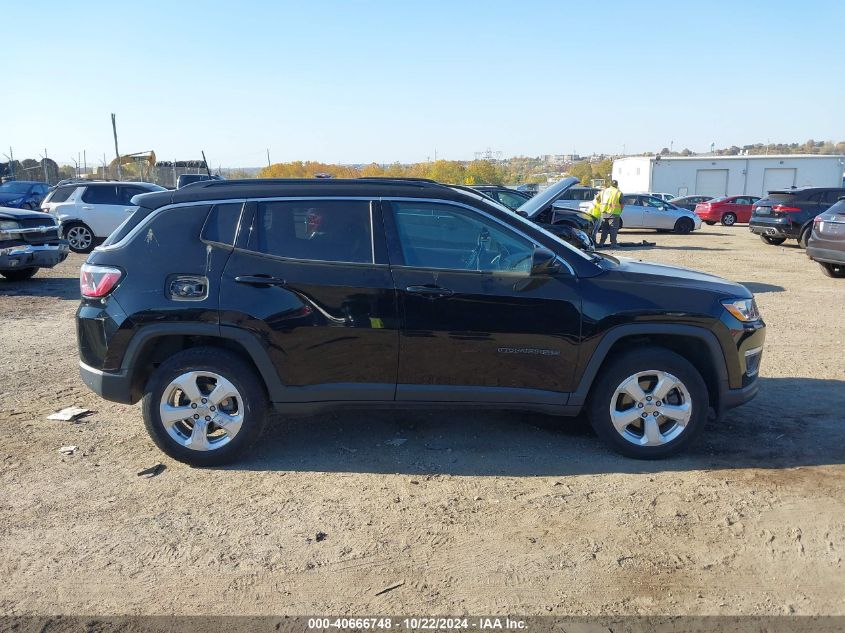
544 263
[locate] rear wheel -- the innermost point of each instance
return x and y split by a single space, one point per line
21 274
80 238
684 226
774 241
729 219
648 403
837 271
204 406
805 237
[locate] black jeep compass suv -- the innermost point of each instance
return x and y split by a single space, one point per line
213 302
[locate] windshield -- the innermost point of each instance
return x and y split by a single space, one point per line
528 223
14 187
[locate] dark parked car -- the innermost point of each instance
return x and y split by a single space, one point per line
689 202
22 194
314 294
188 179
511 198
827 240
29 240
788 213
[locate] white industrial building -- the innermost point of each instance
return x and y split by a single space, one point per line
727 175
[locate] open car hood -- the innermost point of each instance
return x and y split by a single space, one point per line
533 206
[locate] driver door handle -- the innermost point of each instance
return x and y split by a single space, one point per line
429 292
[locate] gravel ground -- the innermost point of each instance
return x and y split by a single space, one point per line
497 513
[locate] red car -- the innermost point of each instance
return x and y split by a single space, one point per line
728 210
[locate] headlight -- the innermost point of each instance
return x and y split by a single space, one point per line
742 309
6 226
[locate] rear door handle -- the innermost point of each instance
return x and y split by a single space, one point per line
261 281
430 292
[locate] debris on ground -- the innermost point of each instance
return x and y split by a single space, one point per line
68 450
69 414
320 536
395 585
396 441
152 471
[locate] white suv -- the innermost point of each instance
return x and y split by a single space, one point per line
89 212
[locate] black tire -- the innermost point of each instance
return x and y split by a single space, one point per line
729 219
805 237
709 222
684 226
20 274
837 271
231 367
629 363
79 236
774 241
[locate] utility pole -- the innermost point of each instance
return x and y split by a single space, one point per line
44 166
116 152
268 157
12 162
84 162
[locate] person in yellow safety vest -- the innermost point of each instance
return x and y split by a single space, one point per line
595 211
611 212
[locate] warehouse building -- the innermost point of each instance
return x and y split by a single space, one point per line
727 175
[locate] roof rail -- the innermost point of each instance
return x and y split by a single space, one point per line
252 182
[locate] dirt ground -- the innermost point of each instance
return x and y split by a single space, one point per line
476 513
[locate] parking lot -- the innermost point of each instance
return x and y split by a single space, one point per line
449 512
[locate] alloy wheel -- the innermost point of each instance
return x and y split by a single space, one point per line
728 219
201 410
651 408
80 238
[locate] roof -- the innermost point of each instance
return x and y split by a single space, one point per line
304 187
748 157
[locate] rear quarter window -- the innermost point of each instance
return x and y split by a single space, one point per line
61 194
221 225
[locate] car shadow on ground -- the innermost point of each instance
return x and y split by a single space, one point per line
793 422
757 288
652 246
58 287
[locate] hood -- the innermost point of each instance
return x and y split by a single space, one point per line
533 206
663 274
6 197
7 213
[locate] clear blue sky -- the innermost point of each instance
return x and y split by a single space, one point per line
385 81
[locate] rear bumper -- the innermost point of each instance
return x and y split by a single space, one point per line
825 255
774 228
29 255
114 386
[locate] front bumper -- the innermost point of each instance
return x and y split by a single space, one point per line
31 255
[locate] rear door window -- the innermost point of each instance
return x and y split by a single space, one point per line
127 193
101 194
221 225
318 230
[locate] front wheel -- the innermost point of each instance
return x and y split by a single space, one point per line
684 226
837 271
204 406
20 274
79 237
774 241
648 403
729 219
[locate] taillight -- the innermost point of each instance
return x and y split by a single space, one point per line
98 281
780 208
